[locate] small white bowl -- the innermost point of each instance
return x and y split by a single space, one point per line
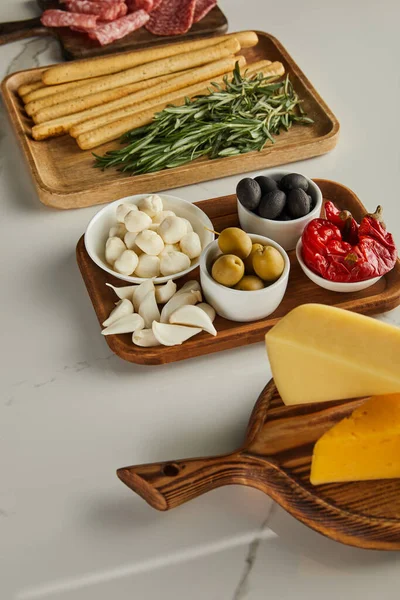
333 286
286 233
97 232
239 305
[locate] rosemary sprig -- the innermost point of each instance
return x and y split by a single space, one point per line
242 116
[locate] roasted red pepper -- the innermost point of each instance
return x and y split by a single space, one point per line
339 249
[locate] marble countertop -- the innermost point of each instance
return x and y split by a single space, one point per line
71 412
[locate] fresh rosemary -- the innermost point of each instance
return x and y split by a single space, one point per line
239 117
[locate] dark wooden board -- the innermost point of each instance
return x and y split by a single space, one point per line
275 458
382 296
78 45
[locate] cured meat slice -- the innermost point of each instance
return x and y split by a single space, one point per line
61 18
109 32
146 5
123 9
172 17
106 11
203 7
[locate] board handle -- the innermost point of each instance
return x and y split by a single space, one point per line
169 484
20 30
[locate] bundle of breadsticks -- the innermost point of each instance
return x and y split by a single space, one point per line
97 100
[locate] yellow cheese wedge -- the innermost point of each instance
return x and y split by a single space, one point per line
364 446
319 353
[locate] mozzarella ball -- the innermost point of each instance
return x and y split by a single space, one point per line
114 248
172 230
189 227
126 263
122 211
118 230
172 248
173 262
191 245
150 242
129 239
159 217
148 266
136 221
151 205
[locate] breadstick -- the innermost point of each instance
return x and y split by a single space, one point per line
27 88
204 73
50 90
84 69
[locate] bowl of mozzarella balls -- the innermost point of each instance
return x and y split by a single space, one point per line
140 237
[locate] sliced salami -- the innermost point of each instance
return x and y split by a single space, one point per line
105 34
61 18
203 7
134 5
105 11
123 9
172 17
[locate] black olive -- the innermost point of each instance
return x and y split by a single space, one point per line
293 181
284 217
267 184
272 204
298 204
311 201
249 193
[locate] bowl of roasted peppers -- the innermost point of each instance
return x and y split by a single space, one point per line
341 255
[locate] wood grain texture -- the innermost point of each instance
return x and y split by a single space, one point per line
276 458
64 176
77 45
382 296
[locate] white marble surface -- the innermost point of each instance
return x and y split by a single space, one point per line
71 412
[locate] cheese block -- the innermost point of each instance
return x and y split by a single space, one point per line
319 353
364 446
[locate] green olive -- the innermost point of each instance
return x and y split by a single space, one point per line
248 262
228 270
235 241
268 263
250 283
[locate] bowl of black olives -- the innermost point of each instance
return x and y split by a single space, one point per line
278 205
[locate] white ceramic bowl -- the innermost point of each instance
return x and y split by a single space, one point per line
333 286
97 232
286 233
239 305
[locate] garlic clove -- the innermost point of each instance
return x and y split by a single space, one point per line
151 205
193 316
165 292
141 292
118 230
145 338
148 309
191 245
172 230
126 263
173 335
123 209
127 324
207 309
123 292
189 227
148 266
178 300
150 242
159 217
189 286
114 248
173 262
123 308
136 221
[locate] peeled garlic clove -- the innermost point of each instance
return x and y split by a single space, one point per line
126 263
165 292
148 310
172 230
123 308
151 205
123 209
173 262
148 266
192 316
159 217
150 242
189 227
136 221
173 335
191 245
189 286
141 292
129 239
207 309
118 230
145 338
114 248
123 292
177 301
127 324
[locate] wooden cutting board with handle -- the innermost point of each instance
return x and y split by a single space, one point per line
77 45
276 459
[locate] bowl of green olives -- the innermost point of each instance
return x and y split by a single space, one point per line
244 276
278 206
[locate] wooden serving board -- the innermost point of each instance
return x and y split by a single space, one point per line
64 176
382 296
76 45
275 458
